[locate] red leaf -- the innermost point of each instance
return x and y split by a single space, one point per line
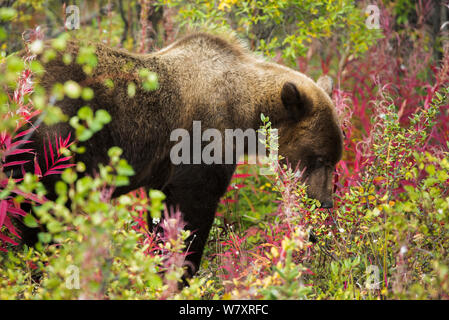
23 172
50 147
64 159
37 168
30 196
11 228
50 172
15 163
18 143
17 211
7 239
56 169
24 133
18 151
67 139
63 166
3 207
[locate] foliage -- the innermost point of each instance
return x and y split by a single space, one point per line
289 25
386 238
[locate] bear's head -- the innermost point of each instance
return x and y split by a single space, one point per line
311 137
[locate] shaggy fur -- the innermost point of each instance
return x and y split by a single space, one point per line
201 77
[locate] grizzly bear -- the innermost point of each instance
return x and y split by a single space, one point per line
207 78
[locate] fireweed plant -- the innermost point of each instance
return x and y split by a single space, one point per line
17 112
386 238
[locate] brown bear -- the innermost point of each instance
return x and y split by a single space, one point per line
207 78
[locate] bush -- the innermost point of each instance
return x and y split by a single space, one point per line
386 238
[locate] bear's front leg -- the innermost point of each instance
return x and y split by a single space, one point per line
196 191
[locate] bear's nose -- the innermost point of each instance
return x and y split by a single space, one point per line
327 204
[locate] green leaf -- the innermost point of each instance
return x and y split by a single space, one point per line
30 221
72 89
54 227
121 181
3 34
124 169
83 133
7 13
61 188
103 116
87 94
131 89
14 64
44 237
85 113
154 281
69 176
115 152
156 195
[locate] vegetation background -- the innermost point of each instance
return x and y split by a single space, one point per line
386 238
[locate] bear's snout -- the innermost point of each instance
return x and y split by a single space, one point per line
327 204
320 186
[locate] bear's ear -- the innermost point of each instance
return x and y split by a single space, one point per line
293 101
325 83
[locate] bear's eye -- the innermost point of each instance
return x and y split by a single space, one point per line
319 162
315 162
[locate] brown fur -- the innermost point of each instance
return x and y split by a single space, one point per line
211 79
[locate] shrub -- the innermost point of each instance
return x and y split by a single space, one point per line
386 238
